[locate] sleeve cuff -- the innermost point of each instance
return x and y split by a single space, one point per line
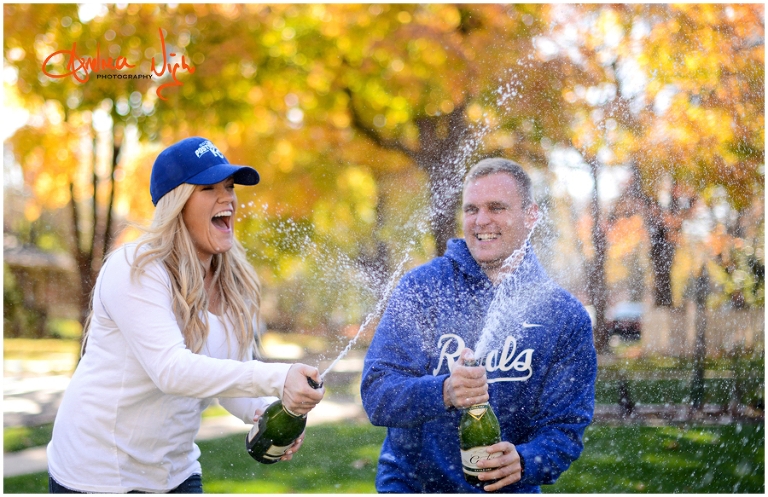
528 464
431 393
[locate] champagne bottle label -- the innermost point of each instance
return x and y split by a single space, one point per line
470 458
276 451
478 411
252 434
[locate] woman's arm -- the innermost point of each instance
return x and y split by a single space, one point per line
141 308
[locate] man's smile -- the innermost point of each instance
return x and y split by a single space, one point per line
487 236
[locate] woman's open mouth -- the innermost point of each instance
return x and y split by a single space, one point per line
223 220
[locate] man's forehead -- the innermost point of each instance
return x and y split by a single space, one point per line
488 201
498 187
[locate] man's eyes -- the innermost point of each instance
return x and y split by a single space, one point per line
492 208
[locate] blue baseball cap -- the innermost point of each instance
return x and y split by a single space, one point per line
196 161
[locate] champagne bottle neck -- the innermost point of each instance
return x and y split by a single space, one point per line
473 363
477 411
293 414
314 385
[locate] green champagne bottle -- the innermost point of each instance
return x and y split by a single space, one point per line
478 429
276 431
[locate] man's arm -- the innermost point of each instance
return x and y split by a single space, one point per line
565 408
398 389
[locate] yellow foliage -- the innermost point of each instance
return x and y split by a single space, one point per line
624 236
31 212
403 62
584 233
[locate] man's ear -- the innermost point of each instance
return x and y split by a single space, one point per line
531 216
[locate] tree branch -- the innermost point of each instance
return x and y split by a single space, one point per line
379 140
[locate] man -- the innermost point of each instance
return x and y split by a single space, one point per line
539 359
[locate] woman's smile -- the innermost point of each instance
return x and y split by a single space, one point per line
208 215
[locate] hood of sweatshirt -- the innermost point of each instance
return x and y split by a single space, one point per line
529 270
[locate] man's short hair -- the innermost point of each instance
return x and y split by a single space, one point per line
498 165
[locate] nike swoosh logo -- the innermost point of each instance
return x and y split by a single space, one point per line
526 324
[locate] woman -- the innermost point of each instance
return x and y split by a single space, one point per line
172 326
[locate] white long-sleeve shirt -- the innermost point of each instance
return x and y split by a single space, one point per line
130 414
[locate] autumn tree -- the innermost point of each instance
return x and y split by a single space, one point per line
680 100
711 135
250 111
445 85
71 151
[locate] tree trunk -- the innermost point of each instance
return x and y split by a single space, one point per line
439 155
662 256
375 259
664 225
442 146
626 404
700 348
108 235
444 202
101 232
83 259
596 286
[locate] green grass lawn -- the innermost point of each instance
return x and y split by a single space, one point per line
667 380
665 391
669 459
16 438
341 458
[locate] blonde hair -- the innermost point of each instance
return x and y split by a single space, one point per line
168 241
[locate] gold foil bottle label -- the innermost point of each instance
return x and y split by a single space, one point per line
478 411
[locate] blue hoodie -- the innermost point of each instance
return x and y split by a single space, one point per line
541 367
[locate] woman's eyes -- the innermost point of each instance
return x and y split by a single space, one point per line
210 187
